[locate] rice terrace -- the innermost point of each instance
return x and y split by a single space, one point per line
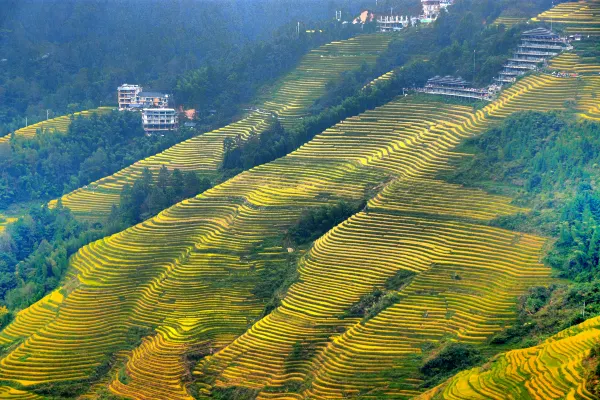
260 199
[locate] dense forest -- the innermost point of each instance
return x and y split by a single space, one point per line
65 56
51 163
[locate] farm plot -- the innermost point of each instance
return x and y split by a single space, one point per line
553 370
182 282
297 91
59 124
577 17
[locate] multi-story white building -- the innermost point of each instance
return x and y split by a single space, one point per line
154 106
392 23
127 95
431 9
159 119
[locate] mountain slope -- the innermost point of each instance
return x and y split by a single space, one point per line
183 280
60 124
297 91
552 370
578 17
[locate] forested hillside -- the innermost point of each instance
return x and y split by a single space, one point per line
66 56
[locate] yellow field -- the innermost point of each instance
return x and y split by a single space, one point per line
297 91
188 273
576 17
59 124
571 62
509 21
552 370
383 78
4 220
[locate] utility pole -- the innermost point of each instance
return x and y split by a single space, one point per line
298 29
473 64
26 122
47 114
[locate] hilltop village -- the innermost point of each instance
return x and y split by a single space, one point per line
390 208
391 22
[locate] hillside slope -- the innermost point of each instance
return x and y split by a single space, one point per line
579 17
415 223
59 124
289 101
555 369
184 280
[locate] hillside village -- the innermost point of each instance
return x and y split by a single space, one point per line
157 116
408 210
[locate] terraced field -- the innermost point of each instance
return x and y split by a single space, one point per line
298 90
186 276
458 292
545 93
383 78
509 21
581 17
552 370
571 62
60 124
307 82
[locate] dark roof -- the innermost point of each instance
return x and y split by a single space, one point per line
447 81
540 32
152 94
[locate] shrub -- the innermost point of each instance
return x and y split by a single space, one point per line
449 360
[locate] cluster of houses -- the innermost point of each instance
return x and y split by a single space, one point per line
536 48
157 113
393 22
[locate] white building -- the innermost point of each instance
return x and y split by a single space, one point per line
159 119
392 23
431 9
445 3
127 95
